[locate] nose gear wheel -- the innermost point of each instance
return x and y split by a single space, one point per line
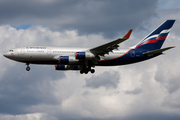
28 68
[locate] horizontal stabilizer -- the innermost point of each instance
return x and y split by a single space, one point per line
151 53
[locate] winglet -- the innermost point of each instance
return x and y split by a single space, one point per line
128 34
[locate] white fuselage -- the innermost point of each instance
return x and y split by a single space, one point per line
84 59
50 55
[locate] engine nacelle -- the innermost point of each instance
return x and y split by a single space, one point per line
84 55
68 67
67 60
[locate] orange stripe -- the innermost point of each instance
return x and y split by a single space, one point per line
76 54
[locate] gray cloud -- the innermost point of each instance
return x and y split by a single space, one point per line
168 75
153 85
106 79
155 116
171 84
134 92
86 16
20 89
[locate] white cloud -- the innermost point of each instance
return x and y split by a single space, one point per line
147 88
35 116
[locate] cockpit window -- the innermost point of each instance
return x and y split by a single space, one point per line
11 51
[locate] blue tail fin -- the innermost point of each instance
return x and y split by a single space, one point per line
156 38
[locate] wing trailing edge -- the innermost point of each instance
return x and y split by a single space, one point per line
108 47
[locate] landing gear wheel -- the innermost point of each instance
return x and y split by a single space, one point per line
81 71
86 71
92 70
28 68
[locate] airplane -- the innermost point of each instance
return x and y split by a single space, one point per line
85 59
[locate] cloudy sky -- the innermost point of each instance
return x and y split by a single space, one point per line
142 91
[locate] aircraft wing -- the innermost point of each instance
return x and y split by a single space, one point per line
151 53
108 47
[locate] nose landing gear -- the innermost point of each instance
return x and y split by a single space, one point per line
27 68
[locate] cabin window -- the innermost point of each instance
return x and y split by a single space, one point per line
11 51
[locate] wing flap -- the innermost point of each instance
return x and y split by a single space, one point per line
108 47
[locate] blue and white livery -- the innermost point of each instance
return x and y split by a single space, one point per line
84 59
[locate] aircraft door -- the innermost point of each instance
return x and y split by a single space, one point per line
49 51
132 53
22 52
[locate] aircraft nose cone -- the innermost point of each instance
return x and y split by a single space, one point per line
6 55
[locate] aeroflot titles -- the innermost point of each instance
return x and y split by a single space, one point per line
36 47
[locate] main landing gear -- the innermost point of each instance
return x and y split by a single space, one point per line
28 68
87 69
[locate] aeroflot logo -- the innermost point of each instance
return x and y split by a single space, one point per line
35 47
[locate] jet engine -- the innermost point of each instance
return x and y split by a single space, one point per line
84 55
68 67
67 60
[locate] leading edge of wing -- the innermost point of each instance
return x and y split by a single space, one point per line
108 47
